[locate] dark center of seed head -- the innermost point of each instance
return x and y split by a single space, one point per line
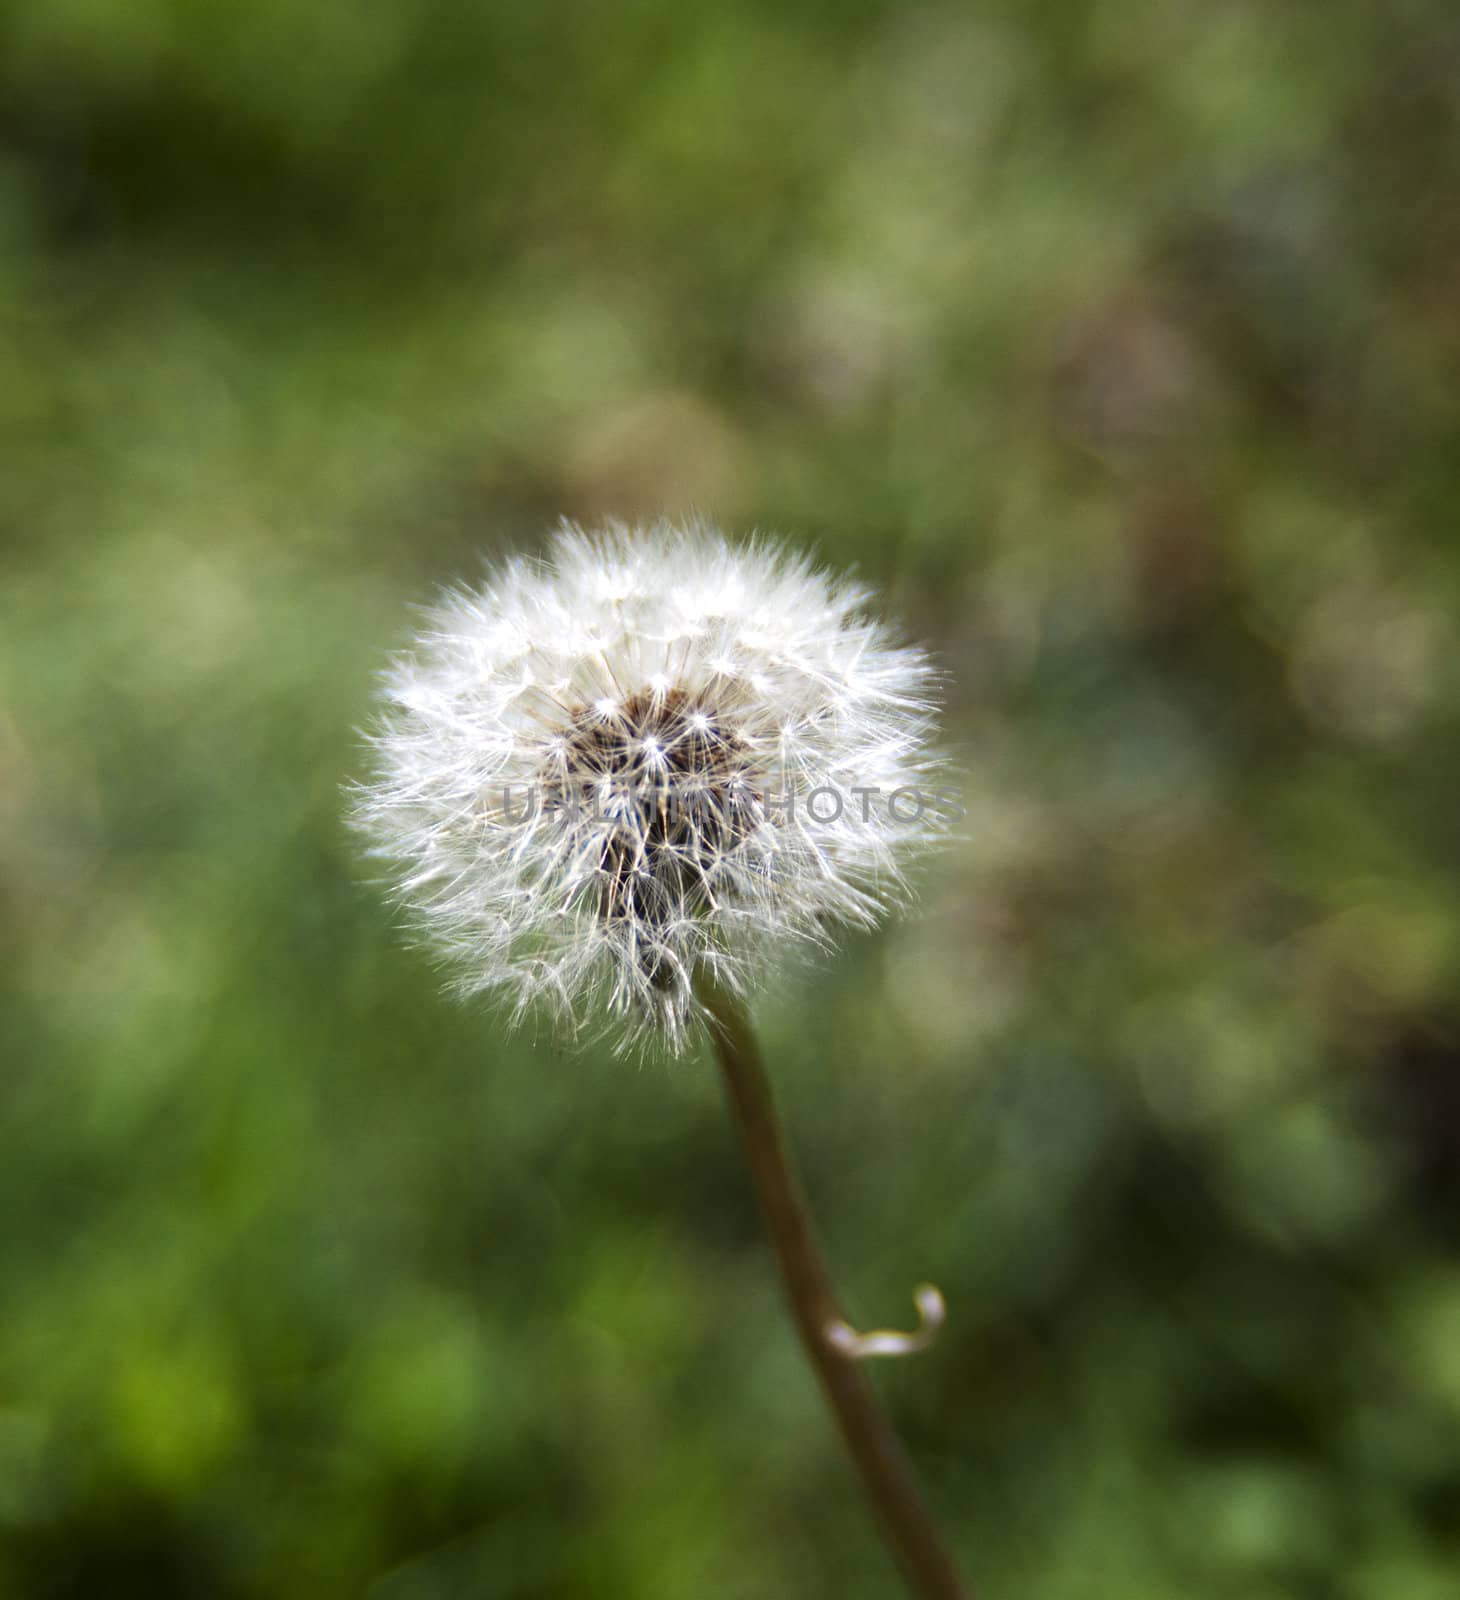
667 784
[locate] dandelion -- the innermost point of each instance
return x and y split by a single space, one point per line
624 783
656 756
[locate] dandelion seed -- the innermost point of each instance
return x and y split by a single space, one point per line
665 697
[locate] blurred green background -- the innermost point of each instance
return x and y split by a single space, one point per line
1118 342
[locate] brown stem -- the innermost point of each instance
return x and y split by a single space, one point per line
869 1439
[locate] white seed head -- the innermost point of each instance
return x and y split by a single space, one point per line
654 753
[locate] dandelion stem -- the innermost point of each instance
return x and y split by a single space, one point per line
869 1438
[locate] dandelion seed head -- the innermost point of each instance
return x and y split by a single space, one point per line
590 775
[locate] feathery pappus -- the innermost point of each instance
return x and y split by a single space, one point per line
651 755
